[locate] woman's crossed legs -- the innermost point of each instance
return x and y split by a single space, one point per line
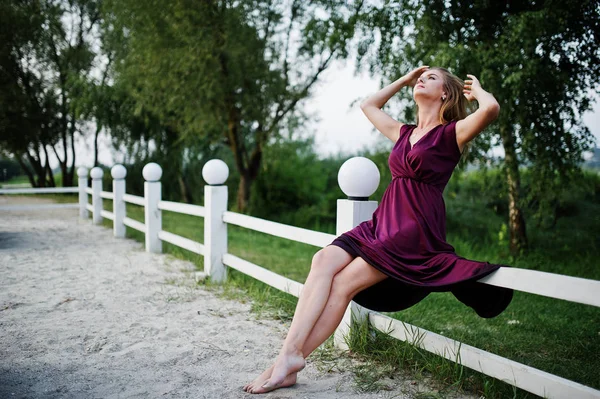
334 279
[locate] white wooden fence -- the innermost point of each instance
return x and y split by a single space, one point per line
350 212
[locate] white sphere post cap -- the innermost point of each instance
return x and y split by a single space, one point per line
215 172
152 172
358 178
97 173
118 172
82 172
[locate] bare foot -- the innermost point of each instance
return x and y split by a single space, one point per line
261 379
256 386
286 364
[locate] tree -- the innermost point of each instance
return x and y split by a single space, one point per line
27 104
230 71
140 137
67 55
93 100
538 58
47 47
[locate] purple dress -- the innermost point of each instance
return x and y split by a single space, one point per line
406 238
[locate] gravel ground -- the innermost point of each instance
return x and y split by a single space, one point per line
86 315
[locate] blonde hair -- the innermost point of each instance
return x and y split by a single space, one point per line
454 107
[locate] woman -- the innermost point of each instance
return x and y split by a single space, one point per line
396 259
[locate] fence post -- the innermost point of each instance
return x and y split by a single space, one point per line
358 178
118 173
152 195
83 198
215 173
96 175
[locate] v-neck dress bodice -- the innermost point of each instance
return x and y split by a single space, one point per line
406 237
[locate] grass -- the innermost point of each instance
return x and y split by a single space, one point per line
555 336
389 357
24 180
69 198
62 198
17 180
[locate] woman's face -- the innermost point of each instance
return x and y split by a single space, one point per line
430 85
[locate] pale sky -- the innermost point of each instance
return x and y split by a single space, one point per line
341 127
346 128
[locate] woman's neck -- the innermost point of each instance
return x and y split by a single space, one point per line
428 116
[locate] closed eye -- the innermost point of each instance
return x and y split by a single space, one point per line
430 76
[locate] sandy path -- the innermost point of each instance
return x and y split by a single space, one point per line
85 315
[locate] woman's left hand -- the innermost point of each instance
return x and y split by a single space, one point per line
488 108
471 85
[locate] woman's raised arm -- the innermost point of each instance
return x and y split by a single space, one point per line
371 107
467 129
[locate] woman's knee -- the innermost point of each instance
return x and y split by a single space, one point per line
358 276
320 262
340 290
330 260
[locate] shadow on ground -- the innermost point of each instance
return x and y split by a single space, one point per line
13 240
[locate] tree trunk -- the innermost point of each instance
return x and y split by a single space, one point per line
71 178
516 221
243 194
51 182
64 171
184 188
69 170
67 174
247 177
98 127
27 171
68 177
49 173
40 171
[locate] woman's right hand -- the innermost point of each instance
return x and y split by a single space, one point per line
372 105
412 77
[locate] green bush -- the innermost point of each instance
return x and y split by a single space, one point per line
295 187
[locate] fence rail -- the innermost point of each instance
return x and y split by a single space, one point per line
350 213
525 377
573 289
182 242
134 199
266 276
293 233
134 224
107 215
186 209
107 195
49 190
